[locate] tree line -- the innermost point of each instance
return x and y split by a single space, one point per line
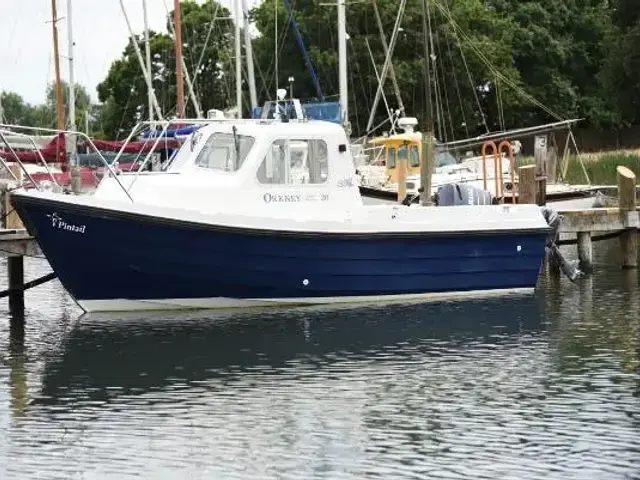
494 63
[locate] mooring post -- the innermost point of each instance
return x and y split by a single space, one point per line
426 168
527 184
15 269
17 171
76 180
401 166
11 219
627 206
552 163
585 251
540 155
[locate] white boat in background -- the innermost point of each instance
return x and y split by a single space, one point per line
262 212
380 171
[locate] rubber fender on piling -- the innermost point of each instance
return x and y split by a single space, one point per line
554 220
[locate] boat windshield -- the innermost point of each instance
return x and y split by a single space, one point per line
225 151
443 158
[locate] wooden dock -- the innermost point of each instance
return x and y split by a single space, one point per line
622 221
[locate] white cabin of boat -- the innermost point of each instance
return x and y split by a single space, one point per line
264 166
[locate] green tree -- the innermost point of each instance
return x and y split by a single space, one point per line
452 89
621 71
47 113
559 49
124 91
16 111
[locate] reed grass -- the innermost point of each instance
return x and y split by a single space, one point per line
600 168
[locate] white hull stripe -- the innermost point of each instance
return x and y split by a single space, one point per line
125 305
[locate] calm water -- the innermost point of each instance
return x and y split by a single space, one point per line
519 388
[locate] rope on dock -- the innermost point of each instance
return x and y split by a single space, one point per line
33 283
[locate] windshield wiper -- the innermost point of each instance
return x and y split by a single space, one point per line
237 144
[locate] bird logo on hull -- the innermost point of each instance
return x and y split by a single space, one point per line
58 223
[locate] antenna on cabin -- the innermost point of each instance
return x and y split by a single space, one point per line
281 93
407 124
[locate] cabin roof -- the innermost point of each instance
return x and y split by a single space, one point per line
398 137
258 128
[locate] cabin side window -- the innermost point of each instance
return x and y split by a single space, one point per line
403 153
295 162
224 151
391 157
414 156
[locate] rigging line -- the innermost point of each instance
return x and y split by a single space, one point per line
457 86
124 113
444 87
196 72
387 61
436 92
442 127
278 50
434 69
500 104
384 97
467 69
353 89
359 75
496 71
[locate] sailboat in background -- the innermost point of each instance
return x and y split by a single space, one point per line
493 172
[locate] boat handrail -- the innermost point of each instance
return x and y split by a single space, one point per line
82 135
165 123
4 132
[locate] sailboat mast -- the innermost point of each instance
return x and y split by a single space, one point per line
428 152
56 61
249 53
238 19
72 90
147 51
426 31
136 48
342 63
177 22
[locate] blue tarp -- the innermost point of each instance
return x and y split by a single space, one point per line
170 133
327 111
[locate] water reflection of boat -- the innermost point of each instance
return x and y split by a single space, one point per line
104 358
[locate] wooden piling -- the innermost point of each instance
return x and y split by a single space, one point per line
401 166
540 155
76 180
426 168
10 218
527 184
18 172
627 206
541 191
552 163
585 251
15 269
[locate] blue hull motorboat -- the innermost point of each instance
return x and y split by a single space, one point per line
255 212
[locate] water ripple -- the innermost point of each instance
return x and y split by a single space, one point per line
515 388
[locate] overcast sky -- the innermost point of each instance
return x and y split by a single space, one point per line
99 30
